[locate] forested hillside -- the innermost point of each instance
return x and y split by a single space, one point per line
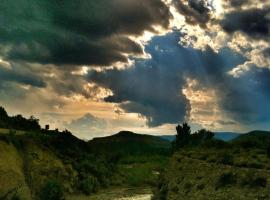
45 164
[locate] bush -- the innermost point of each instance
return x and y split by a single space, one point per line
187 187
250 142
225 158
162 192
16 196
200 186
259 182
256 164
52 190
251 180
268 151
215 143
89 185
225 179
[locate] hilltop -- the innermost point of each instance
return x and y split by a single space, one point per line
131 143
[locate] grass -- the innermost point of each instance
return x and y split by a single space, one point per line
8 131
226 179
12 174
142 170
236 170
250 179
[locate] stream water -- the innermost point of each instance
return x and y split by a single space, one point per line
118 194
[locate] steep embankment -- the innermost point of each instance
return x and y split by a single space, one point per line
25 166
239 170
12 171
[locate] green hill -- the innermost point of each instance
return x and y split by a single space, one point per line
259 139
237 170
30 161
140 157
27 165
126 142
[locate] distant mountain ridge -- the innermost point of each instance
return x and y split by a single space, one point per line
225 136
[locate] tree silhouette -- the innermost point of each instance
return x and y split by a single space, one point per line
3 117
185 138
3 113
18 122
183 135
201 136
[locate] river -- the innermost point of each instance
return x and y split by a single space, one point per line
117 194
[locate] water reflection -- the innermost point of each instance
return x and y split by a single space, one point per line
136 197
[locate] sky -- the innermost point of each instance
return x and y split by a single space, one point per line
96 67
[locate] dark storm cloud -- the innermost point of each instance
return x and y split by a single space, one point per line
237 96
195 12
75 50
76 32
247 97
20 75
153 88
237 3
146 90
253 22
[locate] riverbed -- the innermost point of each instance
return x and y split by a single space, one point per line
117 194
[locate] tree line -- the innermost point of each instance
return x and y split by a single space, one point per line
185 138
18 122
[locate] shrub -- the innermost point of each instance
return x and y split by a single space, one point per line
249 142
175 189
215 143
268 151
242 163
225 158
259 182
203 157
251 180
200 186
256 164
225 179
89 185
187 187
16 196
162 190
52 190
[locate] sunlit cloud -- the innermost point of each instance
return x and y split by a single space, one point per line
205 109
152 65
